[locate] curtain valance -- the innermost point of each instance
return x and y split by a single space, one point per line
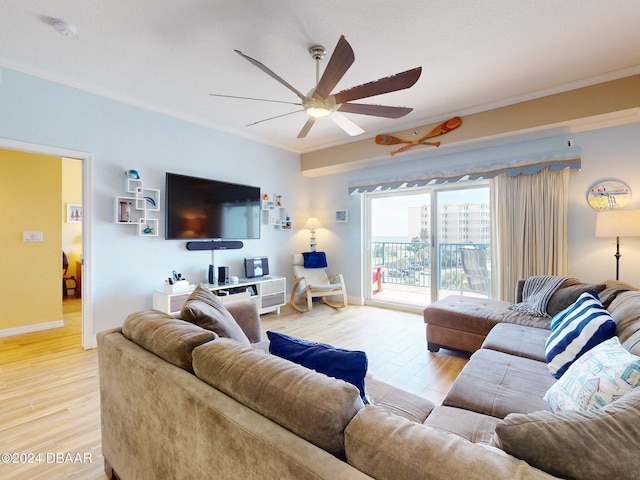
525 165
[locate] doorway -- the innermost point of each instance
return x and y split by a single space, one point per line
82 231
413 239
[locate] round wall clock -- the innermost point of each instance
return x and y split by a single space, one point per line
608 195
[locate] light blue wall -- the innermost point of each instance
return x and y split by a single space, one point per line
126 268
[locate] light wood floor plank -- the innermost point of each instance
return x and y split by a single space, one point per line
49 397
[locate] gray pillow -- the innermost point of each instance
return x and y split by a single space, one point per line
566 296
600 444
207 311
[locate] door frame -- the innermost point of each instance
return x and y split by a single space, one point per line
88 336
433 191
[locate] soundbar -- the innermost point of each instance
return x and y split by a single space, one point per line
215 245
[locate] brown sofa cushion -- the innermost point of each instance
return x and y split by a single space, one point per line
477 315
612 290
308 403
387 447
567 295
397 401
625 311
601 444
528 342
246 314
497 384
167 337
475 427
206 310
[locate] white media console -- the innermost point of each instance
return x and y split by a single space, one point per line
268 293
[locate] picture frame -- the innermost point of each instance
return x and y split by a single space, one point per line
608 194
342 216
74 213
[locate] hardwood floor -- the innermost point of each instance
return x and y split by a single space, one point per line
395 343
49 398
50 404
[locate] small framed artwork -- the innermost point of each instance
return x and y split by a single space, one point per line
74 213
342 216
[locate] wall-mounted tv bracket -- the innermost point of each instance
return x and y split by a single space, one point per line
215 245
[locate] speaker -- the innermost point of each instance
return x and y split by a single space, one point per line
223 275
212 274
215 245
256 267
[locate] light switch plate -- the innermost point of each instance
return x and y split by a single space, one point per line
32 236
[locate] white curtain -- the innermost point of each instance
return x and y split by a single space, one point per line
529 228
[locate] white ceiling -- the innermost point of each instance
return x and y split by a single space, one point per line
169 55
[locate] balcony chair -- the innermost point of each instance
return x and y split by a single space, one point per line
376 279
475 273
68 278
312 281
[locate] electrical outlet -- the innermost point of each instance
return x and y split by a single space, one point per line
32 236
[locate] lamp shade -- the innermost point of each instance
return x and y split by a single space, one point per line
312 223
618 223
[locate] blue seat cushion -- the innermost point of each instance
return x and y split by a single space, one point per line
314 259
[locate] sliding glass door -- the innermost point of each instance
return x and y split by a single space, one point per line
414 240
463 243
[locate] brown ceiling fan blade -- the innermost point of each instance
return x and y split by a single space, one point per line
340 61
252 98
375 110
272 118
271 73
307 127
393 83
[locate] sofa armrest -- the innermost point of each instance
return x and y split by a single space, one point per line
388 447
247 316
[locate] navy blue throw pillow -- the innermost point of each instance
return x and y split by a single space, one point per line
348 365
314 259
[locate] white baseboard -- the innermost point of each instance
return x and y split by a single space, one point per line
10 332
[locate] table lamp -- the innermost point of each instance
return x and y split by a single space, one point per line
618 223
311 224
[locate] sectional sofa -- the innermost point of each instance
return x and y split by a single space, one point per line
181 401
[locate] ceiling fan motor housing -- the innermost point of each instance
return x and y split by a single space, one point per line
317 52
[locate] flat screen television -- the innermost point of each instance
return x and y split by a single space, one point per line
202 208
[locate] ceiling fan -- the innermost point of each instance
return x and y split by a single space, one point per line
319 102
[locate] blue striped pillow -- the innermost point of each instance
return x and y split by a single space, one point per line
576 330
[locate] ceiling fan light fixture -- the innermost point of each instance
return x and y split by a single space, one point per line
316 111
318 108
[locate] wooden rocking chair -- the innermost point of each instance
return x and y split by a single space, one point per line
313 283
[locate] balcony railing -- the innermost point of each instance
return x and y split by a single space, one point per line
410 263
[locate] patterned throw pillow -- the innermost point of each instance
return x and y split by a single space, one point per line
576 330
600 376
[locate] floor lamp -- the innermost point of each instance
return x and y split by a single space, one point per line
618 223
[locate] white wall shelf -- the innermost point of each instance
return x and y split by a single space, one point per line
138 209
148 199
275 215
133 184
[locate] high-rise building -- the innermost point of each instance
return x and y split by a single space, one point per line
457 223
